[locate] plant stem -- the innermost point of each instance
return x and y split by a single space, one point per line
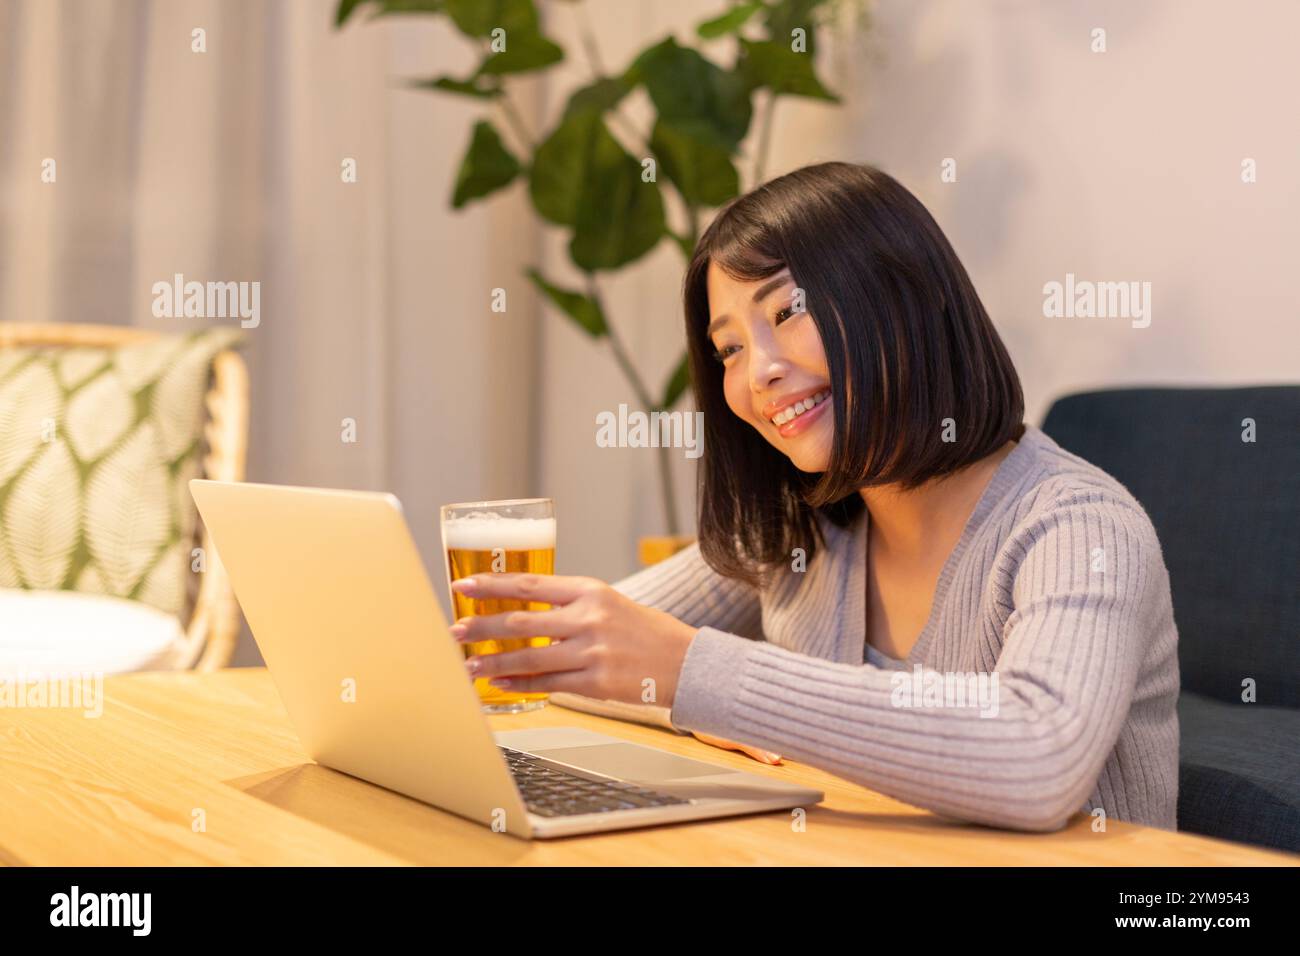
516 121
588 39
666 484
620 353
598 72
642 396
512 116
625 126
615 343
764 139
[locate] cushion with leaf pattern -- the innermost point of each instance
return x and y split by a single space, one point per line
96 448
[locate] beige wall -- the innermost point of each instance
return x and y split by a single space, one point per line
1115 166
1123 165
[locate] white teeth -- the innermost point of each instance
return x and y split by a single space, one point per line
798 408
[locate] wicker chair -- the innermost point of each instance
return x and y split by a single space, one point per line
214 624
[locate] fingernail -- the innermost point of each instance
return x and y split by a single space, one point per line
463 584
472 665
458 630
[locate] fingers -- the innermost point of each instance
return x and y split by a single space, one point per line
555 622
757 753
762 756
528 661
544 588
570 682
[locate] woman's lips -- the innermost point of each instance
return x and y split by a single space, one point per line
801 423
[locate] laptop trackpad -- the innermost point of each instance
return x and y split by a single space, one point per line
631 762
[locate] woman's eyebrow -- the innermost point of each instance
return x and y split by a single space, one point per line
759 295
771 284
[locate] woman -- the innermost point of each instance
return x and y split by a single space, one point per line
896 579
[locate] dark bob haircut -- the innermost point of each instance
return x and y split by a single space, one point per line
908 345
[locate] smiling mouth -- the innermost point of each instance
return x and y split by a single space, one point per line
790 413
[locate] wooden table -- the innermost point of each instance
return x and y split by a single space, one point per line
170 749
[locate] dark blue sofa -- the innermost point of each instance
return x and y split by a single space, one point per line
1228 516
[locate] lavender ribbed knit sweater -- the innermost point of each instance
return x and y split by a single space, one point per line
1055 601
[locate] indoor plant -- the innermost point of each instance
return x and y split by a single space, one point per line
597 176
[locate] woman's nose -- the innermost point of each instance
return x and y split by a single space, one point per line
765 370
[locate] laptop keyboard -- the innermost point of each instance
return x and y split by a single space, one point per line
551 792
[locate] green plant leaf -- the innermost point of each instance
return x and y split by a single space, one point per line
699 98
584 310
478 18
784 16
603 94
560 167
523 52
525 48
487 166
347 7
344 10
621 222
581 177
620 217
780 69
703 173
729 22
450 84
677 383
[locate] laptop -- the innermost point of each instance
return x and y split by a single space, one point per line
348 623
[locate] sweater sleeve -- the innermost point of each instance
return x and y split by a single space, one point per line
1079 585
691 591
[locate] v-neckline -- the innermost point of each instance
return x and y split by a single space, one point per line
993 492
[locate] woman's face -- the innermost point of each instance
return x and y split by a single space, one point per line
775 375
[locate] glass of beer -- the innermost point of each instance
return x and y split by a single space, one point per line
489 537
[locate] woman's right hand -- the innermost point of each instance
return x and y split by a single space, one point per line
762 756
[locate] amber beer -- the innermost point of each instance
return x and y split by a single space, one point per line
490 537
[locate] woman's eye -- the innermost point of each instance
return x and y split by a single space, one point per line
725 352
784 314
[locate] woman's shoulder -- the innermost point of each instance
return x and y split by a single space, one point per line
1059 488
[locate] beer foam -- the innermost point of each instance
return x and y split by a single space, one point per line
486 530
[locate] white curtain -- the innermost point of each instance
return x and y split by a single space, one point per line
227 165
